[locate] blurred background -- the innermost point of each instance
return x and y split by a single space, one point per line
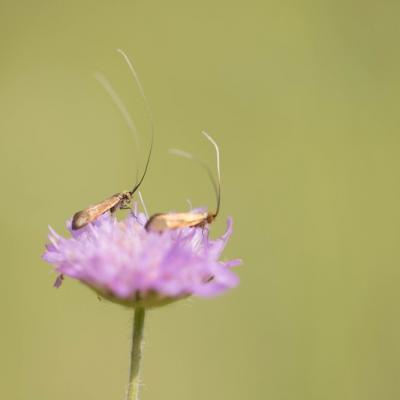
303 98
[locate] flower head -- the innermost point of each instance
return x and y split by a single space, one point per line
125 263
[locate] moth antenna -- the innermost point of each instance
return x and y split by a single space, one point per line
136 187
140 87
148 109
190 204
137 176
107 86
190 156
143 205
214 143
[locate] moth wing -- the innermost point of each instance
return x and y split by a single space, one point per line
84 217
162 222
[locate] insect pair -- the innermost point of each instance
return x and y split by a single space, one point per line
122 200
161 221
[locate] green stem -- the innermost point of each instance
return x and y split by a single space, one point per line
136 354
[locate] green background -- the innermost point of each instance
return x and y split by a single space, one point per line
303 98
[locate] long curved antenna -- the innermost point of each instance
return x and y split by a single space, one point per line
148 109
139 85
216 186
190 156
107 86
214 143
136 187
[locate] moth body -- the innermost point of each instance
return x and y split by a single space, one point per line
84 217
161 222
192 219
119 200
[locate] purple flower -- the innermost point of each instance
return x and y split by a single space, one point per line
125 263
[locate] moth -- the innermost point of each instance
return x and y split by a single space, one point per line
119 200
162 221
